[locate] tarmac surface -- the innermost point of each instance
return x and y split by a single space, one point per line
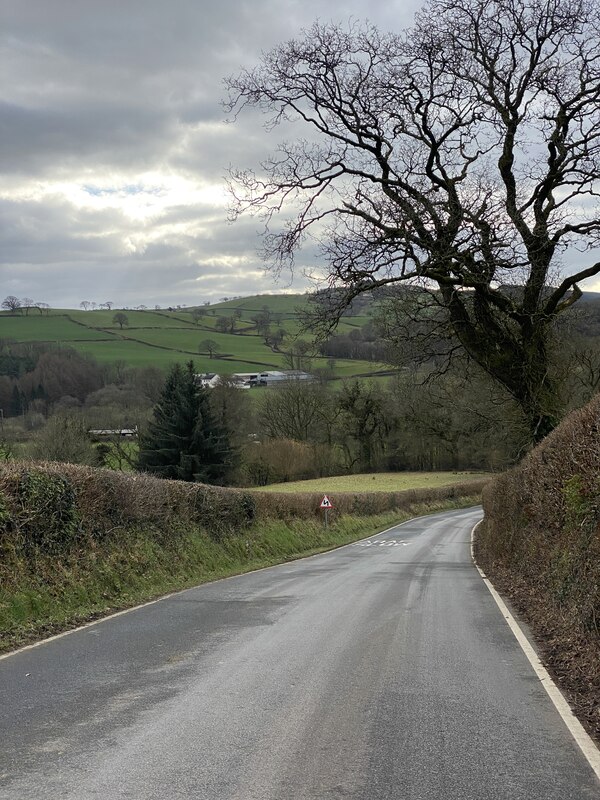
383 669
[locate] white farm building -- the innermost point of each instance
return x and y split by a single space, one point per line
247 380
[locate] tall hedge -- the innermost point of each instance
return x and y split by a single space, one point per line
542 520
540 543
542 536
50 506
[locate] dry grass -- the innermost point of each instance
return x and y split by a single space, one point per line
377 482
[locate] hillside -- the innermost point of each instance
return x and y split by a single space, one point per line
242 344
162 337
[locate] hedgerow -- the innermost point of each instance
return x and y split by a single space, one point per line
50 507
541 542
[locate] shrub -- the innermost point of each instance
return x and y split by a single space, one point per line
64 438
278 461
222 511
48 515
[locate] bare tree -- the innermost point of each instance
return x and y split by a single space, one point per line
297 357
12 304
274 339
85 305
294 410
235 317
364 421
119 454
262 320
209 346
120 319
463 155
223 324
27 303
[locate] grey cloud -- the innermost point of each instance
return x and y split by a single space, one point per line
42 142
130 281
116 89
40 232
59 254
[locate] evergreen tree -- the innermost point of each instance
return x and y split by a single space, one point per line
18 403
184 441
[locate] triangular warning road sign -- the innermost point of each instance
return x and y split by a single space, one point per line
326 502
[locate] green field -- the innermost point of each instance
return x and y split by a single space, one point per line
287 304
161 338
376 482
137 354
137 319
55 328
239 346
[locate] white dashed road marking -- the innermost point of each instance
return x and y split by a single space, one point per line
385 543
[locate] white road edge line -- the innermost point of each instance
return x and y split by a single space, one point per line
191 588
578 732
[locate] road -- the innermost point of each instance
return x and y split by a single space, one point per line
380 670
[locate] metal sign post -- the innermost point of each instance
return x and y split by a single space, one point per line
326 506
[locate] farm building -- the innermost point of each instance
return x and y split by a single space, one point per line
246 380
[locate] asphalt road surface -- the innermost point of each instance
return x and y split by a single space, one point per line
380 670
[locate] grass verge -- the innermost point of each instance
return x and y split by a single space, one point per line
47 595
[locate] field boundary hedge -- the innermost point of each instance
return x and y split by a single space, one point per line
540 545
50 505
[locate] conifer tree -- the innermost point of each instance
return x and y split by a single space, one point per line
18 403
184 441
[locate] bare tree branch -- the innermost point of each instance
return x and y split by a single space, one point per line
463 154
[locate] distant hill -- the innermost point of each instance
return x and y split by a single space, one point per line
236 327
288 304
240 343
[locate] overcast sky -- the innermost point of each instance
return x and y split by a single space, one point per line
113 145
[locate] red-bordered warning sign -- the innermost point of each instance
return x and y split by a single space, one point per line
326 502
